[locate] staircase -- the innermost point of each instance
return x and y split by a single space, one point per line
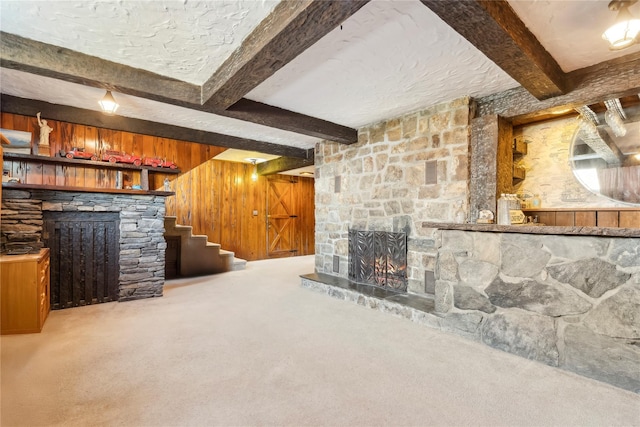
199 257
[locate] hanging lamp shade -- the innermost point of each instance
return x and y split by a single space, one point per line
108 103
625 30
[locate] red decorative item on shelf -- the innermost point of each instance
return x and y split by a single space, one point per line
158 162
169 164
78 153
120 157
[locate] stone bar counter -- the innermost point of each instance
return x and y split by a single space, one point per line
565 296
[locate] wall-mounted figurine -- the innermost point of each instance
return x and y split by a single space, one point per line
45 130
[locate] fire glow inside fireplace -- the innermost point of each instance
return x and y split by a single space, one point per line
378 258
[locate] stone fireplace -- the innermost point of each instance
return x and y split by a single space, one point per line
402 172
563 299
378 258
140 247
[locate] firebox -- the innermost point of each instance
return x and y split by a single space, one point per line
378 258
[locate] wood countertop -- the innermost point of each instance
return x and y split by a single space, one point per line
537 229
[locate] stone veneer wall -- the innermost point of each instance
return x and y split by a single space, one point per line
142 244
380 184
566 301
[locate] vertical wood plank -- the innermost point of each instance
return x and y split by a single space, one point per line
101 268
112 263
77 264
116 141
565 219
7 121
148 145
160 147
91 146
306 197
33 173
127 143
586 219
607 219
546 218
48 174
67 133
630 219
55 139
144 179
88 240
66 258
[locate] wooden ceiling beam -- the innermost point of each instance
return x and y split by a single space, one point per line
52 61
290 29
268 115
47 60
283 164
28 107
496 30
616 78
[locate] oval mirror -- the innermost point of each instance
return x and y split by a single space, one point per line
605 151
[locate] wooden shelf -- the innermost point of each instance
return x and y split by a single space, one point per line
20 186
587 209
84 163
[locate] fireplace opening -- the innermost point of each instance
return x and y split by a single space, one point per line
378 258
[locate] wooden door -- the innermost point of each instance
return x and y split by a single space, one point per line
282 218
84 257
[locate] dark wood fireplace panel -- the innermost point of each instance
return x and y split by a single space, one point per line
84 257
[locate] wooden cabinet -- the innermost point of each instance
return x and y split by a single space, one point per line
588 217
24 289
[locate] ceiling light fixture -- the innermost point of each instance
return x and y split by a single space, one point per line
625 30
108 103
254 175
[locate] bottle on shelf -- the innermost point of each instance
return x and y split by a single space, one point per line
503 210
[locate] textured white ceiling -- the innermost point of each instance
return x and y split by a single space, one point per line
571 30
392 57
186 40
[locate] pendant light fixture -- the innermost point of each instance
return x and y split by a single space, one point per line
254 174
108 103
626 28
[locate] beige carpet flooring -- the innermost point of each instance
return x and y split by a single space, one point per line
254 348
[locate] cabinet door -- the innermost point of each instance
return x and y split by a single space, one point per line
84 257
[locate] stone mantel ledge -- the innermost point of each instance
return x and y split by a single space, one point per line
537 229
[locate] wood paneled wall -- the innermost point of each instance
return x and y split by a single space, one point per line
96 140
216 198
219 198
